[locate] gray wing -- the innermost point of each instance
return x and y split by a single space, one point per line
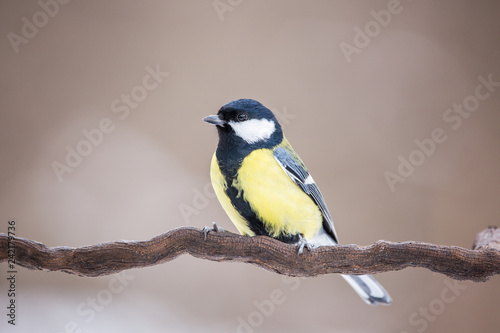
295 169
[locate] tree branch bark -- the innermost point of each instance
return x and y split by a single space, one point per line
478 264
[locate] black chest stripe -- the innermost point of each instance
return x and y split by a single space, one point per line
253 222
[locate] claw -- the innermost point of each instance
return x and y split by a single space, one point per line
215 228
303 243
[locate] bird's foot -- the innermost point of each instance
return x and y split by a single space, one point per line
215 228
303 243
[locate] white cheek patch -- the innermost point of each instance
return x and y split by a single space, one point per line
253 130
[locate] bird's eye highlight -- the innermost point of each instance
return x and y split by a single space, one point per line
242 117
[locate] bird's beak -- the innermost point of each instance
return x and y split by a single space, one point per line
214 120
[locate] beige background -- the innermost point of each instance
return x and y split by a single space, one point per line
348 121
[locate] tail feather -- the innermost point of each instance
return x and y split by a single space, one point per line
365 285
368 289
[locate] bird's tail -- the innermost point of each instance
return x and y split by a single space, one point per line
365 285
368 289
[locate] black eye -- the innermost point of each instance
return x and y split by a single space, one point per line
242 117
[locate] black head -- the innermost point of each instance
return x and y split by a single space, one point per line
246 122
243 126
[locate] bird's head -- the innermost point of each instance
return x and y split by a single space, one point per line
247 121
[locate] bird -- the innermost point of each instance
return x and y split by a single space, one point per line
265 188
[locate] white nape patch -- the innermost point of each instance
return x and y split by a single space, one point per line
253 130
309 180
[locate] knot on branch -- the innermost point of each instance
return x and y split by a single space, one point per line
488 238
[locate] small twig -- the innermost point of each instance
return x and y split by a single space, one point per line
458 263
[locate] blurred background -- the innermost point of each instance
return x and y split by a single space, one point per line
101 139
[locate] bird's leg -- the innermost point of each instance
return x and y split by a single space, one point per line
303 243
215 228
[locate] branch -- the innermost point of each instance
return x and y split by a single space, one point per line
458 263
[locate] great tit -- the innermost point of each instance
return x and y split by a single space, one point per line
265 188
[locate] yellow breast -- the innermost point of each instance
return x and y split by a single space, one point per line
219 184
277 201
